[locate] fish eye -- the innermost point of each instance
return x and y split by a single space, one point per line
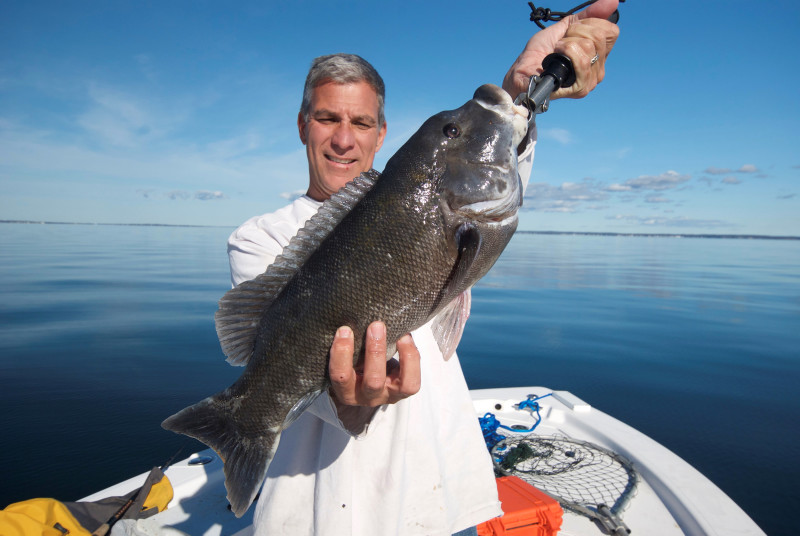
451 130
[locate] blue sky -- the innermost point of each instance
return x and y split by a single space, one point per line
184 112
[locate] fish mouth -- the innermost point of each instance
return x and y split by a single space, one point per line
498 211
497 100
501 168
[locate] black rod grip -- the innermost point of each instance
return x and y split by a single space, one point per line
559 67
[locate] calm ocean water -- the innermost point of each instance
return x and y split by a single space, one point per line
106 330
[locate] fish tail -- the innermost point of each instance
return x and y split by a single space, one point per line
246 457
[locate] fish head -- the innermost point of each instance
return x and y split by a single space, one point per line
473 164
474 181
458 173
478 185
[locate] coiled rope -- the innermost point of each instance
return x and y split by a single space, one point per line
490 423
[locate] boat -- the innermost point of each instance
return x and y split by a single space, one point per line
608 477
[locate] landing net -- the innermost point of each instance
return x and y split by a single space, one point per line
582 476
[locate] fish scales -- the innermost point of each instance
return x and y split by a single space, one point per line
401 247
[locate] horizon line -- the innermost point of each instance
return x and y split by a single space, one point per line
577 233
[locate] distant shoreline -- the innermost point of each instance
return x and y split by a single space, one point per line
37 222
665 235
573 233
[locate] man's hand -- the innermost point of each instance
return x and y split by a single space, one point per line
376 384
579 37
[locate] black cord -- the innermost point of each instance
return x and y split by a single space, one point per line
543 14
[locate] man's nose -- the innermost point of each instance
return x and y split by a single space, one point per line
343 137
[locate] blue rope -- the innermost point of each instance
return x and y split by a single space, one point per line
489 426
490 423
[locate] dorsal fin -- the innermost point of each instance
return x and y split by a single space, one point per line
240 309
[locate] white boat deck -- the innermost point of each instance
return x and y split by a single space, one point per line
672 498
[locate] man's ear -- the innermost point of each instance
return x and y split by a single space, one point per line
301 127
381 136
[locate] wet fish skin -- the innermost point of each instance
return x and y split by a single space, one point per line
400 247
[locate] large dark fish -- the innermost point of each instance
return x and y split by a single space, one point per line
401 247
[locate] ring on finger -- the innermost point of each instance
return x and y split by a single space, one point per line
594 60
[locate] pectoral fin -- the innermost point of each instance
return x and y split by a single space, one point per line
452 305
469 241
448 326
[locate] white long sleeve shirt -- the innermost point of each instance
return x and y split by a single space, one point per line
419 468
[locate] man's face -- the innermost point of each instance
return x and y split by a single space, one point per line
341 135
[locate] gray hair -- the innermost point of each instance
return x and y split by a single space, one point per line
342 69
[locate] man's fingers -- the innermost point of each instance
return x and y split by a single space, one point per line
599 34
602 9
590 24
377 383
374 378
406 380
340 366
580 51
587 43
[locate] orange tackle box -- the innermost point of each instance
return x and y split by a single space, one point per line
526 511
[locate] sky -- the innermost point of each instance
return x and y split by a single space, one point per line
184 112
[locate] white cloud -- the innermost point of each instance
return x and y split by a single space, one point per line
146 67
731 180
717 171
181 195
618 188
665 181
205 195
291 196
567 197
235 146
746 168
167 165
178 194
118 119
622 153
560 135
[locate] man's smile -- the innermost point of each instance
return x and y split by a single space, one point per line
340 160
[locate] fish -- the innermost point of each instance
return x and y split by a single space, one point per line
402 246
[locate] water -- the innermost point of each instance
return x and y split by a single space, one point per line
106 330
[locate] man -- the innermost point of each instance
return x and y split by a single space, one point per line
368 458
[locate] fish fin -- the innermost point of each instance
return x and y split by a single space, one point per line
468 241
246 457
240 309
299 407
448 325
320 225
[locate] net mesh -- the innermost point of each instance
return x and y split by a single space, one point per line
579 474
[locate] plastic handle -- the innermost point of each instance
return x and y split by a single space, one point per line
560 68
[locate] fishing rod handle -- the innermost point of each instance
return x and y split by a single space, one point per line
560 66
